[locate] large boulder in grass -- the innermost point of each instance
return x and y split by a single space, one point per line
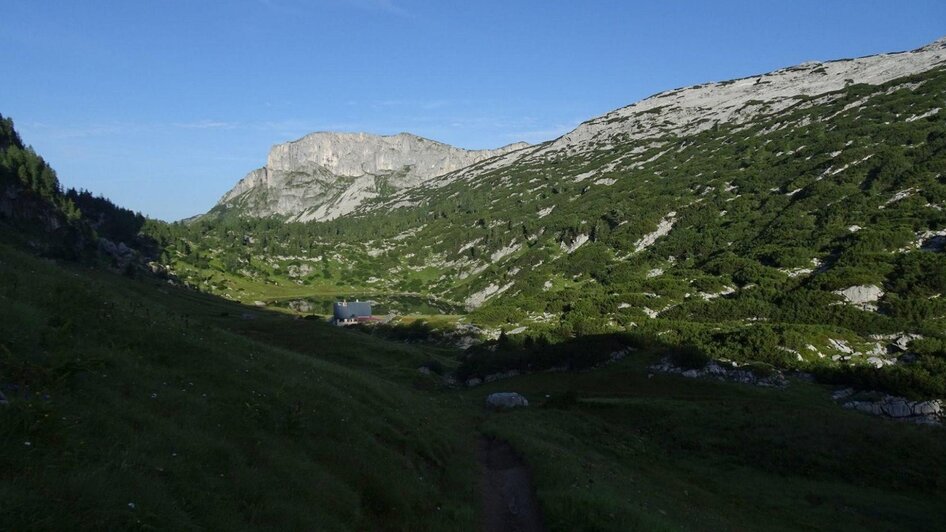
505 401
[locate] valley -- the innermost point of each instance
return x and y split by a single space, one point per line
807 226
719 308
217 419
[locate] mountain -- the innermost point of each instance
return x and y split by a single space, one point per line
809 237
326 175
800 212
690 110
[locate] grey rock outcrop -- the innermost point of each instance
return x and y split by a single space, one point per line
863 296
689 110
120 254
725 371
325 175
899 408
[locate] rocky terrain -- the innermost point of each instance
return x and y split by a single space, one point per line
325 175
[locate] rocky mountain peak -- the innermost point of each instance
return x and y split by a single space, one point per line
689 110
326 174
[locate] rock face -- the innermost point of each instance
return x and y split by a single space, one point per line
326 175
924 412
725 371
864 296
693 109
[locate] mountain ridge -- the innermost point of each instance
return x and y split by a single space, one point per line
677 112
749 231
326 174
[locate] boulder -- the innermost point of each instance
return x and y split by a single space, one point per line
301 305
902 342
714 369
897 408
505 400
861 295
837 395
927 408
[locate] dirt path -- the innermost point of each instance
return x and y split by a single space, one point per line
509 502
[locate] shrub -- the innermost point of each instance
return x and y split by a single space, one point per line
689 356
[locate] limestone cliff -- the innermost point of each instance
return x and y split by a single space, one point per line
325 175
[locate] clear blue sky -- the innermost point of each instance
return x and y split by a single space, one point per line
163 105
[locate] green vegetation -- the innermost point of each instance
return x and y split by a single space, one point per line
614 449
134 404
771 219
138 405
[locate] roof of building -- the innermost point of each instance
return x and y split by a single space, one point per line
351 309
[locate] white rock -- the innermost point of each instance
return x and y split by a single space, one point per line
862 296
693 109
655 272
897 408
902 342
325 175
927 408
663 227
478 298
575 244
840 345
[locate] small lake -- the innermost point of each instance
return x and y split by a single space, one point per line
381 304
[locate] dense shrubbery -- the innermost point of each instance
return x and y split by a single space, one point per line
530 354
922 380
68 221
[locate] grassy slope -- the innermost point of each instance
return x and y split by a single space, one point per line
279 423
668 453
140 394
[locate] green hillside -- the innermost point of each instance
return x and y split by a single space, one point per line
136 405
740 239
179 376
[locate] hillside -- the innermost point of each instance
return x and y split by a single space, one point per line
326 175
132 404
808 226
786 232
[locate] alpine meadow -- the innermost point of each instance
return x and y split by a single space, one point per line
720 307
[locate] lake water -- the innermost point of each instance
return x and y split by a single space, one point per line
381 304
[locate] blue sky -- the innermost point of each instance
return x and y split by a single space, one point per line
163 105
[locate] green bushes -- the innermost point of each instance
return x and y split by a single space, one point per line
922 380
537 355
688 357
